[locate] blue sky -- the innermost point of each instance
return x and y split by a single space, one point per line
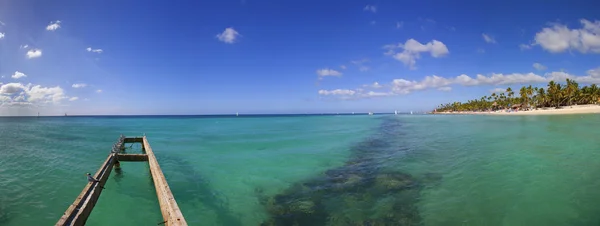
207 57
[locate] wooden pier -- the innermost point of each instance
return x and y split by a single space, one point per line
80 210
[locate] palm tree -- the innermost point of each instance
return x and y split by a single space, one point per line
541 97
524 97
555 95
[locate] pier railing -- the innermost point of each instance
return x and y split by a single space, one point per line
78 212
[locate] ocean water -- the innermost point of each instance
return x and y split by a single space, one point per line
315 170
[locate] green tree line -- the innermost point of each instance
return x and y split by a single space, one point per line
555 95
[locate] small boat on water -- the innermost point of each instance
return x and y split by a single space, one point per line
411 112
370 113
395 112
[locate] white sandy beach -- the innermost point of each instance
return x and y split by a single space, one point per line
575 109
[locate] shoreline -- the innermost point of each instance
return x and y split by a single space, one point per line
566 110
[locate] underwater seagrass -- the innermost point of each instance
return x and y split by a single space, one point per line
358 193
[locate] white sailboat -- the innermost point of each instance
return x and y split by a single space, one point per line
395 112
237 114
411 112
370 113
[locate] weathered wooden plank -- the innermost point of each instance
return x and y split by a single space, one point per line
132 157
168 206
79 211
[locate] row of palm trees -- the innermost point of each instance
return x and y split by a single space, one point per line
555 95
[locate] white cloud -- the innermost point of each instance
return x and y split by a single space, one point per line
99 91
20 94
399 24
524 46
18 75
370 8
560 38
328 72
1 35
73 98
228 36
34 53
343 67
488 38
412 50
348 94
498 90
53 26
445 89
539 67
11 88
46 94
403 86
345 92
79 85
594 73
89 49
24 46
2 23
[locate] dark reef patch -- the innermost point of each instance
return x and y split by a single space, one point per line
358 193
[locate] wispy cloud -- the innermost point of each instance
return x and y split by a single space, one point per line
343 67
498 90
488 38
2 35
53 26
73 98
99 91
399 24
539 67
480 50
524 46
445 89
229 36
34 53
370 8
328 72
24 46
89 49
79 85
375 85
18 75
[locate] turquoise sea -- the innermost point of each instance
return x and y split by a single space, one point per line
314 170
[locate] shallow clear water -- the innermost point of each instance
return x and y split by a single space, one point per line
487 170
